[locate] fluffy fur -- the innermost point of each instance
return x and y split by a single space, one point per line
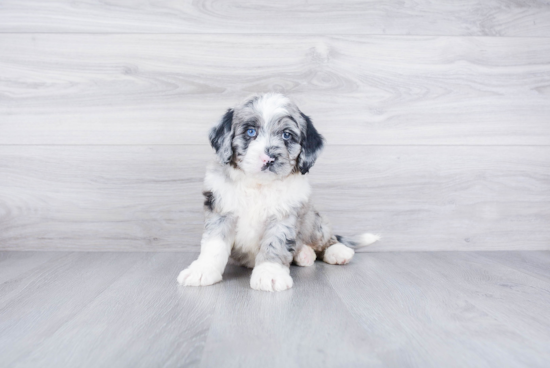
257 198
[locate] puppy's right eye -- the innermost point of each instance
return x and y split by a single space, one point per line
251 132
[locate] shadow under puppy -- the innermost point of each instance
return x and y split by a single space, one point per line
257 198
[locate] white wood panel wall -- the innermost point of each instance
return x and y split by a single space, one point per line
438 135
391 17
168 89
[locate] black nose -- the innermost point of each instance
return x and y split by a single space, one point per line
268 159
267 165
272 156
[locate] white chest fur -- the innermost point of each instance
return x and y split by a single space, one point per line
254 201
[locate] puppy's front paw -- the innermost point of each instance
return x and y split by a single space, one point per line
271 276
338 254
305 256
199 274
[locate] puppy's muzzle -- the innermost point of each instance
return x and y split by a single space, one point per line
267 161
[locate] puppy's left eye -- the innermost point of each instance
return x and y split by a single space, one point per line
286 136
251 132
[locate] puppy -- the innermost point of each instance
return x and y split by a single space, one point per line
257 198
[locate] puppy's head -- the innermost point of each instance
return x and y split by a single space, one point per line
267 136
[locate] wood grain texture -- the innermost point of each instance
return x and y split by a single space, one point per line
406 309
149 198
308 326
532 263
169 89
19 264
450 309
43 298
464 18
141 319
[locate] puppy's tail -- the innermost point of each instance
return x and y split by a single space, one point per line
358 241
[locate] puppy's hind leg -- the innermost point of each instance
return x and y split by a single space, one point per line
338 254
305 256
317 231
333 249
342 252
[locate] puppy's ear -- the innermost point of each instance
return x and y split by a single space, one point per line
312 143
221 136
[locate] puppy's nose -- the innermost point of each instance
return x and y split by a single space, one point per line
266 159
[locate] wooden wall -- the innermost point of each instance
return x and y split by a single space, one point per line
436 113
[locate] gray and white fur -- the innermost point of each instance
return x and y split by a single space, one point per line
257 198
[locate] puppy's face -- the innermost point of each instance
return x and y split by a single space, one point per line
267 137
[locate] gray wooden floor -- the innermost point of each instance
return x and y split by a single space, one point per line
430 309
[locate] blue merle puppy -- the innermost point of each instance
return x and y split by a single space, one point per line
257 198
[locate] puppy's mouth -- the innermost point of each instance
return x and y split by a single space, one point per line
269 162
268 167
